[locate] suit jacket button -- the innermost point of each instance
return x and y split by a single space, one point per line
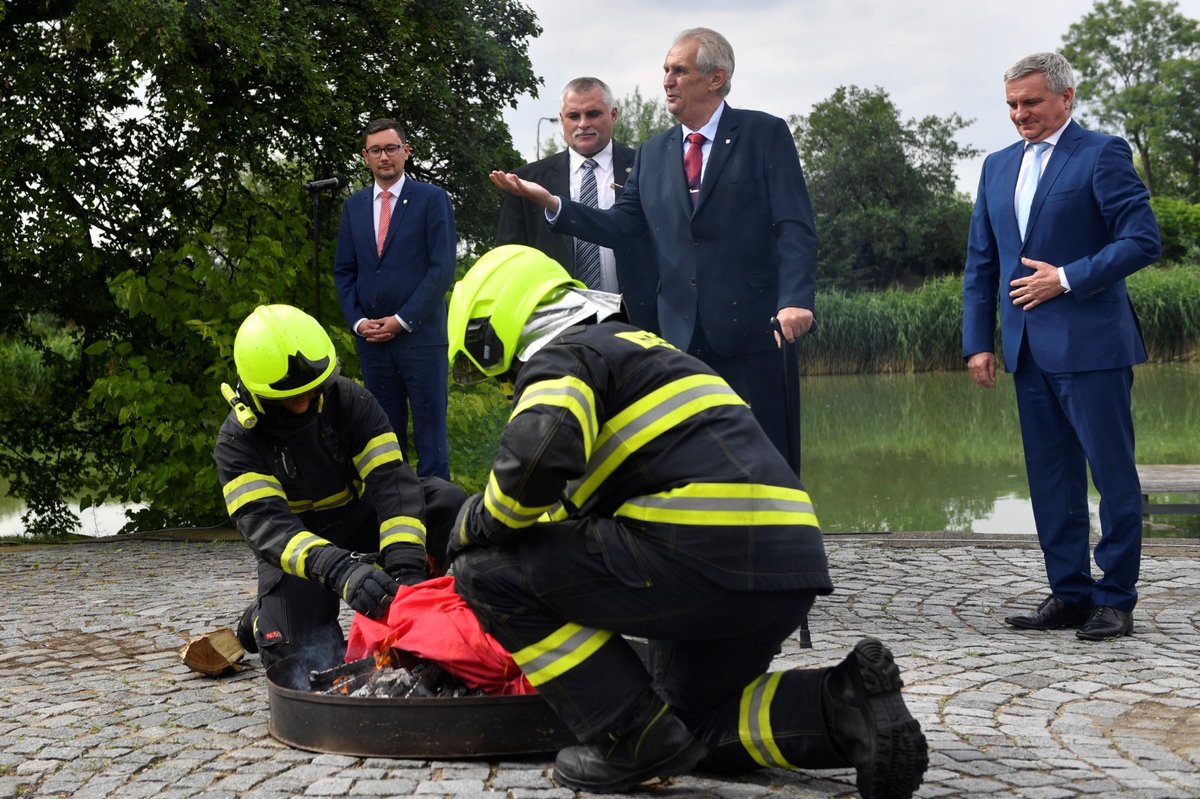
693 281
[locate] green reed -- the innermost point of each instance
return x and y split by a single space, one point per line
898 330
893 331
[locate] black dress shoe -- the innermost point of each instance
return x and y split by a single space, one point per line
1052 614
1106 624
663 747
870 726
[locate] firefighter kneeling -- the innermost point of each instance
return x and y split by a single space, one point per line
634 494
315 481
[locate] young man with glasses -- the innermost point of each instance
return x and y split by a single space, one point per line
393 266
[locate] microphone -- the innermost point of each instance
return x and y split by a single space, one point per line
338 181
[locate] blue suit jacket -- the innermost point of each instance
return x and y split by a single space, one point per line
1090 216
414 272
748 249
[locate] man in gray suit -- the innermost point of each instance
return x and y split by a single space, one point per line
587 116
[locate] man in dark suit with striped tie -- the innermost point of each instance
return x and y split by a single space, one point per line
593 169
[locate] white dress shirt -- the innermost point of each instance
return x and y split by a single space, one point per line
606 195
1026 164
377 205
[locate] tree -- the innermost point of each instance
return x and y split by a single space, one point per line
1176 133
639 119
1120 49
882 190
152 155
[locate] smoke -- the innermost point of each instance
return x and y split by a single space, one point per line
325 651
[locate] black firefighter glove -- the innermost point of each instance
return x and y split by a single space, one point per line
362 586
466 532
406 563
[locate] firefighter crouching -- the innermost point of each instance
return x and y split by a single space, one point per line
634 494
313 478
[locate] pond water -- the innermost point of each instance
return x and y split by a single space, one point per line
934 452
919 452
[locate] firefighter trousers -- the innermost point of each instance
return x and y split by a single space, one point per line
293 615
562 596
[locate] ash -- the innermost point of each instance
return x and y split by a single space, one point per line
392 674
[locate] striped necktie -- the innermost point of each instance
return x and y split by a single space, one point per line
587 254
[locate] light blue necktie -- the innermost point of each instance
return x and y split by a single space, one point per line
1029 187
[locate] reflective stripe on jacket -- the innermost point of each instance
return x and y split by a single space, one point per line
294 484
612 421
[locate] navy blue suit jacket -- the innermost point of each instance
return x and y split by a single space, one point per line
1091 217
748 249
415 270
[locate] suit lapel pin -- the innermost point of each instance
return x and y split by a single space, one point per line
727 141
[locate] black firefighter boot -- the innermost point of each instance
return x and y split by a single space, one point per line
656 744
870 725
245 628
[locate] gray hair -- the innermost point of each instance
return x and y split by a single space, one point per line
714 52
583 85
1058 72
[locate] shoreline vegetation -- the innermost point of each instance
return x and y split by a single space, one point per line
893 331
919 330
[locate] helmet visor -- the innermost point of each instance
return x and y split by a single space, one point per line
483 351
302 374
465 372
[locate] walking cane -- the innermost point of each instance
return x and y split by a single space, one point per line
792 426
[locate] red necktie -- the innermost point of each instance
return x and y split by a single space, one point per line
693 159
385 217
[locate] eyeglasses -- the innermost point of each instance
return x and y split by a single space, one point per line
390 149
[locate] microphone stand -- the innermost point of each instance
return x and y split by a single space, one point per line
315 187
316 237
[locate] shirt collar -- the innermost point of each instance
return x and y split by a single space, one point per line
1053 138
394 188
603 158
710 127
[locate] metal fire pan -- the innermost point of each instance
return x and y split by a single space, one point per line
437 727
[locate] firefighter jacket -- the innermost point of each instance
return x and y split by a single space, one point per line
294 483
612 421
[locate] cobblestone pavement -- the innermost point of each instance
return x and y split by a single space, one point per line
95 702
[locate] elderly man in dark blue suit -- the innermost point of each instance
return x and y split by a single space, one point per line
731 224
1061 219
393 266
